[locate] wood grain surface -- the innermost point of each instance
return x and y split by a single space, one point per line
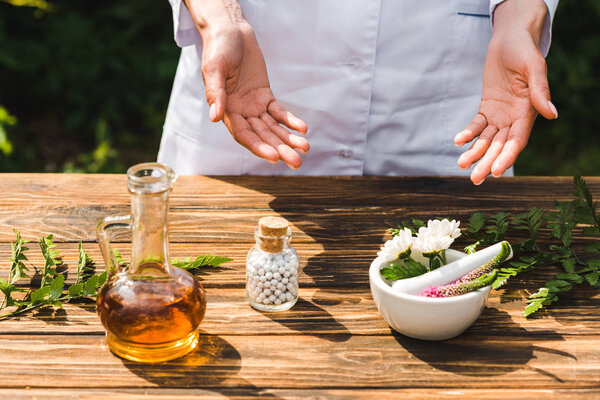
333 343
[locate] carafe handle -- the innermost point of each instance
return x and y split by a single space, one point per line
105 231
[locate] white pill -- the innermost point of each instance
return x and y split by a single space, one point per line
294 272
272 298
290 286
282 296
266 301
277 292
277 276
289 296
263 278
259 285
284 281
277 301
267 292
281 270
274 282
261 296
287 265
261 271
280 285
287 274
269 275
273 288
293 279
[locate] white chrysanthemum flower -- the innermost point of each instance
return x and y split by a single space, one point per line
444 228
399 244
428 242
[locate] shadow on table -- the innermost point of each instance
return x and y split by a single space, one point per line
477 353
310 319
213 366
340 217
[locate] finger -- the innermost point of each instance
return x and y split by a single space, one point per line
484 166
286 118
516 142
479 148
474 129
296 142
286 154
214 80
244 135
539 90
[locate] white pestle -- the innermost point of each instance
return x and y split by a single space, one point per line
450 272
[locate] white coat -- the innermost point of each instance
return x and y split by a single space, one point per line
383 85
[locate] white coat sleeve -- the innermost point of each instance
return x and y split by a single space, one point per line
546 37
185 30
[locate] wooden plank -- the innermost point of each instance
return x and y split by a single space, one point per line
226 209
331 312
306 394
304 362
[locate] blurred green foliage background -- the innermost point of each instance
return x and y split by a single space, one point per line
84 87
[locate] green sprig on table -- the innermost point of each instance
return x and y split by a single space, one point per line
578 268
53 290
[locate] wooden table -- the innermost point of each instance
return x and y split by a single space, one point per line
333 343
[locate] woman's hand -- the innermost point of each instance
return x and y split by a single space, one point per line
237 86
515 89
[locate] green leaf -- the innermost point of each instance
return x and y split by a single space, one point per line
51 258
472 248
592 278
200 261
593 248
7 288
516 267
118 257
569 265
590 231
595 263
85 267
543 297
417 223
39 295
90 286
476 222
56 287
570 277
102 279
408 268
76 290
18 268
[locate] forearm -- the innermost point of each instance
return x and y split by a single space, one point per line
528 15
211 16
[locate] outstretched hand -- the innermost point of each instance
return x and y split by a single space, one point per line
237 85
515 89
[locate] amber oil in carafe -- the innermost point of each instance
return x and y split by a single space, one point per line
151 310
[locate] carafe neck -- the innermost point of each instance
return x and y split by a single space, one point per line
150 185
150 237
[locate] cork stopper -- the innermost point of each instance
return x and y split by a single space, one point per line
272 229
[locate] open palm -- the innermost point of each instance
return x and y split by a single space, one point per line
515 89
239 94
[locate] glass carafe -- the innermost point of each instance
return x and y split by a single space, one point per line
150 309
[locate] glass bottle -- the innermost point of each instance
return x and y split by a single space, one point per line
150 310
272 267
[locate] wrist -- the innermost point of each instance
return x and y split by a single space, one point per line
522 15
217 17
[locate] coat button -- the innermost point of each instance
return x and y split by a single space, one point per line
346 153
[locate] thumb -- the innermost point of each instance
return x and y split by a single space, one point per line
214 80
539 90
